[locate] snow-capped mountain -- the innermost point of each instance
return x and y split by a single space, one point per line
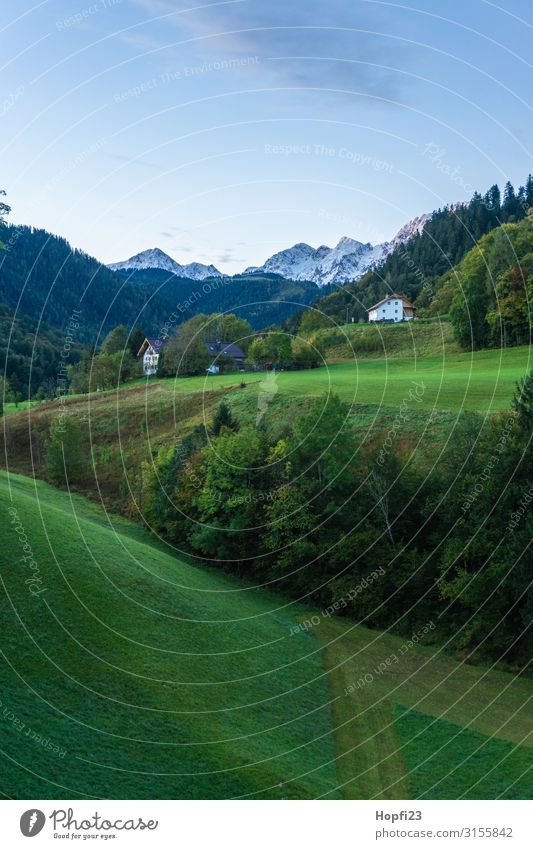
156 258
346 262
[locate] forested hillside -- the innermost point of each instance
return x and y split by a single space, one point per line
262 299
30 357
43 277
416 268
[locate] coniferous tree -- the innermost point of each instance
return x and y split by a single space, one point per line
136 339
223 420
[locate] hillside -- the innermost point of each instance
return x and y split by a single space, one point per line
376 341
43 278
30 352
158 678
417 267
262 299
129 673
123 428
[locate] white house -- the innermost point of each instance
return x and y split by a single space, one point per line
392 308
150 351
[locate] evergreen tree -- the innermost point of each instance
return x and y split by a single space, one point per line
223 420
510 207
136 339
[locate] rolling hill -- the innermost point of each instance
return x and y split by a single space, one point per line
130 673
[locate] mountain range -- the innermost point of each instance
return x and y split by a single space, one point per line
349 260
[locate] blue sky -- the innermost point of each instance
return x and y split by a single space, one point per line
222 132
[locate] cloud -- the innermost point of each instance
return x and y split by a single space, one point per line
335 45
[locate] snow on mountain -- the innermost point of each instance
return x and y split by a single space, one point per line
346 262
156 258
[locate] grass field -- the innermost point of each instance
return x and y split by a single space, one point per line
136 674
158 678
371 341
482 381
413 722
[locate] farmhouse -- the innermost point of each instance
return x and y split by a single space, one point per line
150 351
392 308
222 351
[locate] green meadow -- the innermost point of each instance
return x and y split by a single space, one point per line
132 672
482 381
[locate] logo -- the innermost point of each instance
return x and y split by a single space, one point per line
267 392
32 822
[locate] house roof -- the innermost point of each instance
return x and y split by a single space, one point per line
156 344
229 349
393 297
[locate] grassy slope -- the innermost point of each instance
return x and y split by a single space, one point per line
124 428
164 679
371 341
160 679
480 381
427 725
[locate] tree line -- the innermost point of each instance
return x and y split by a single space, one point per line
313 510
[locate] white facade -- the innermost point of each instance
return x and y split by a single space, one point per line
391 309
150 360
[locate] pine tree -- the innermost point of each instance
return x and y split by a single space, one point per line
136 339
510 207
223 420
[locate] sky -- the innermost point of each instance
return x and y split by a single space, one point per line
224 132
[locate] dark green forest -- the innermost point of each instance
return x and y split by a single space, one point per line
312 511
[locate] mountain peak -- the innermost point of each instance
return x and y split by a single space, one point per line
348 261
156 258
